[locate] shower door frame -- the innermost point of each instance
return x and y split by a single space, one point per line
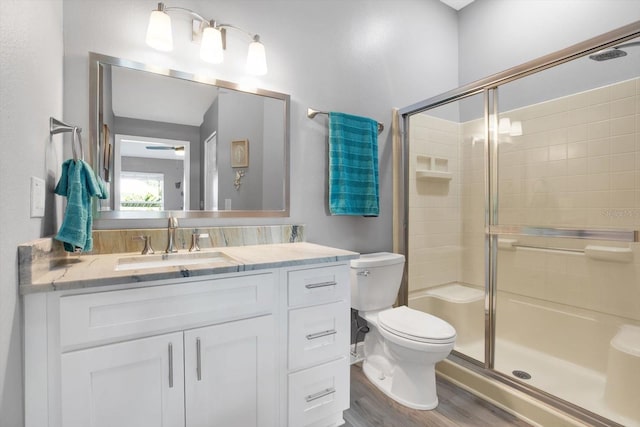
489 88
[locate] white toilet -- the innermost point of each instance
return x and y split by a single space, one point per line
403 345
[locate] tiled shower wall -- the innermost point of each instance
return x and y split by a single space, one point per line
577 164
434 205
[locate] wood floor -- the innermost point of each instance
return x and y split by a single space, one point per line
372 408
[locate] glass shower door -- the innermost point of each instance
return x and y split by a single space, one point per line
446 205
568 266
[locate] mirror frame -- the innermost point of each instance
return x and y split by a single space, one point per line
95 59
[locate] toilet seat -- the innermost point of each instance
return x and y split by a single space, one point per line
416 326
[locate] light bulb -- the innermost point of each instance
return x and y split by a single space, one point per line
516 128
504 126
159 31
256 58
211 47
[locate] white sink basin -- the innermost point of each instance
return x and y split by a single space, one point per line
172 260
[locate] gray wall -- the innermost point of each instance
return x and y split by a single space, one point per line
241 117
273 173
31 78
499 34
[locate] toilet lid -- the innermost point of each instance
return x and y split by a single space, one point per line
416 325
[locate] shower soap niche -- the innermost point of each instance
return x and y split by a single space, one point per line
429 167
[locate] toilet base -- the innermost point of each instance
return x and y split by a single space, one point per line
384 383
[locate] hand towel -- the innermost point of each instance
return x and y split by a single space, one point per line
79 184
353 165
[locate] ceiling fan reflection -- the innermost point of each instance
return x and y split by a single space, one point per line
165 147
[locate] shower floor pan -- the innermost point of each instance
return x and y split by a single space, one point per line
563 349
574 383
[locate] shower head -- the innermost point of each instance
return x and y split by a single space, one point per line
612 52
605 55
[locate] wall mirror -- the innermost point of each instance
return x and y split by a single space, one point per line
169 141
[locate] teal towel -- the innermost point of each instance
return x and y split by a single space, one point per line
79 184
353 165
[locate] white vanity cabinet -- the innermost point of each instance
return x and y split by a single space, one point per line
133 383
230 375
263 348
224 377
318 309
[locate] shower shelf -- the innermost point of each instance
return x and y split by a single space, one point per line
431 167
428 174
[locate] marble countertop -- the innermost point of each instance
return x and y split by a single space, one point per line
87 271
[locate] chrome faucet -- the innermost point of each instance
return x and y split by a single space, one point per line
171 231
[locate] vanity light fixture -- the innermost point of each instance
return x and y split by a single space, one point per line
213 38
508 127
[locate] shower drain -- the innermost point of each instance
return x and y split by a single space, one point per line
522 375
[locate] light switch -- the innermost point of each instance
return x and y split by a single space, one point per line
37 197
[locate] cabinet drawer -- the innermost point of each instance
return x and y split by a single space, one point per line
107 316
318 285
318 393
318 334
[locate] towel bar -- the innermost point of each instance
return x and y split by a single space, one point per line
311 113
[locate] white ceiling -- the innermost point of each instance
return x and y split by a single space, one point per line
147 96
457 4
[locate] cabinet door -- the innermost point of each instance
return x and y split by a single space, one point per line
130 384
230 374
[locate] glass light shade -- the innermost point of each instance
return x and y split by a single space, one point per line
516 128
159 31
211 46
504 127
256 59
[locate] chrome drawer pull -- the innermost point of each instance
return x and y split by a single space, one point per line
198 360
321 334
320 394
170 365
320 285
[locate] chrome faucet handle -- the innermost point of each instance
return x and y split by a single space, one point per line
195 241
147 244
171 235
173 222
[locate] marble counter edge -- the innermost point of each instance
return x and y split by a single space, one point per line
305 254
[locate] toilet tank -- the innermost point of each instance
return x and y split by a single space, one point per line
375 280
